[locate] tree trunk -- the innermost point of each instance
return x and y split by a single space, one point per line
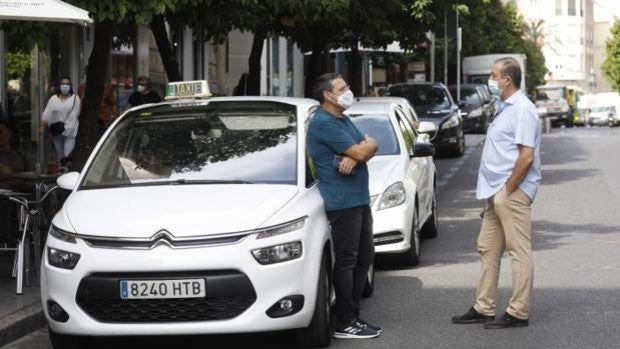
253 81
355 71
318 65
158 27
87 135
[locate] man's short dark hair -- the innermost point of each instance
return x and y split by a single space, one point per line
324 83
510 66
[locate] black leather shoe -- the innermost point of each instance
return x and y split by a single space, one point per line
472 317
506 321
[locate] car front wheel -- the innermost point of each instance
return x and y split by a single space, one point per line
370 282
318 333
431 227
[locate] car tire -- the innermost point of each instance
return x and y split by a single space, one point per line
369 288
63 341
411 257
319 332
431 226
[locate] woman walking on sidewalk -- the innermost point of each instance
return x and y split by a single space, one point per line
61 119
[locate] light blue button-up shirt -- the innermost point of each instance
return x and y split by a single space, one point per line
516 124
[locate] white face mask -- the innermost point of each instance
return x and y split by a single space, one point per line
141 88
346 99
494 87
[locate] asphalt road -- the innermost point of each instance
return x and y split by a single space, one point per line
577 264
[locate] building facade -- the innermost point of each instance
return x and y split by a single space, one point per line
567 37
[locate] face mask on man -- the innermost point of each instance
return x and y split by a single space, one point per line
65 89
346 99
141 88
494 87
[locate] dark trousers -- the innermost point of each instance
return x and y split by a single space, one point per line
355 252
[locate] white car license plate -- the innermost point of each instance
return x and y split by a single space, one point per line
149 289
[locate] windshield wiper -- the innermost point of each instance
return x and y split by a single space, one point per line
205 181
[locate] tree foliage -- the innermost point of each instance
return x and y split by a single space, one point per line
491 27
611 65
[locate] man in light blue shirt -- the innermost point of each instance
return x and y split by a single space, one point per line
508 179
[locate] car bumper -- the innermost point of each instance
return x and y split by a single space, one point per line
473 124
268 283
447 139
392 229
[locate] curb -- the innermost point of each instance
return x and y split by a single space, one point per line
20 323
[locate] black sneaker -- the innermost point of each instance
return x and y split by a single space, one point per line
375 328
355 330
472 317
506 321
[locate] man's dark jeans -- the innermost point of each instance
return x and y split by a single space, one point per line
355 252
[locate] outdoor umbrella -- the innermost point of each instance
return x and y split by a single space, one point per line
42 10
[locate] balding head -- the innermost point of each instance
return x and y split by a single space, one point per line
509 66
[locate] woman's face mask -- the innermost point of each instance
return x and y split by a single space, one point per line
65 89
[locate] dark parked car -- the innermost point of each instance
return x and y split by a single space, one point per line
473 109
433 103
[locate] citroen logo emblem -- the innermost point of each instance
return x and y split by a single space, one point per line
162 237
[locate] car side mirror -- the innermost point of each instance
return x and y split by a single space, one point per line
68 181
462 104
423 149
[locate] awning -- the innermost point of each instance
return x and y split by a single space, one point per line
42 10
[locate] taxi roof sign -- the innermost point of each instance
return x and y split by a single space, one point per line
187 89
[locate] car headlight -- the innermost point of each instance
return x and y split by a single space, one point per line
394 195
452 122
476 113
281 228
61 234
373 199
62 259
278 253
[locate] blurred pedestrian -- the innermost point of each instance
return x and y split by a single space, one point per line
61 119
144 94
340 152
508 180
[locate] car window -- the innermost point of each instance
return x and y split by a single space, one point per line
409 134
244 141
379 127
310 170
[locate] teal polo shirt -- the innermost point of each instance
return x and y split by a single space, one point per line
328 136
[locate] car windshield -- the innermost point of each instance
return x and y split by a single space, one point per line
424 98
469 95
543 94
379 127
602 109
220 142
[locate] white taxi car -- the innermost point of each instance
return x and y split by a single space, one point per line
402 180
192 216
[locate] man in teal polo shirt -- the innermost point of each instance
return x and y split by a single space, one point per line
340 152
508 180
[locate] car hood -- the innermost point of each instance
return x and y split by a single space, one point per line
183 210
383 172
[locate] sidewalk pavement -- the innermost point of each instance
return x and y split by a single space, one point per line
19 314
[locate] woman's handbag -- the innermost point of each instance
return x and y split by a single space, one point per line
57 128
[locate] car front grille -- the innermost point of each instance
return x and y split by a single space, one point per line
166 310
229 294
